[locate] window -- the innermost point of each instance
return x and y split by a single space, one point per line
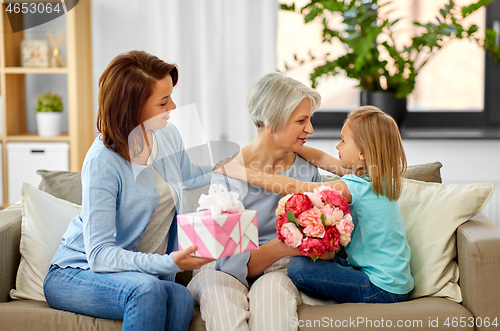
458 88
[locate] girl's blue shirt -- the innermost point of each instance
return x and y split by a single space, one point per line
119 199
378 242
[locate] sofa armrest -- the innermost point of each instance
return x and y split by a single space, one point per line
10 236
478 244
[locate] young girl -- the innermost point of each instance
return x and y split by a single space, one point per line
378 265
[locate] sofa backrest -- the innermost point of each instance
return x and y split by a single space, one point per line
67 185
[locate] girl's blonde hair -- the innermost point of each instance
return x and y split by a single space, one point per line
377 135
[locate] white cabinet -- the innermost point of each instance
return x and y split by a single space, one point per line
25 158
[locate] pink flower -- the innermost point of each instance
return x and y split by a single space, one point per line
311 222
298 203
321 222
345 239
345 225
293 236
315 199
280 221
333 197
331 214
344 206
331 239
281 204
322 188
312 247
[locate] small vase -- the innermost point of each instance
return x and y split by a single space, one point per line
48 124
396 107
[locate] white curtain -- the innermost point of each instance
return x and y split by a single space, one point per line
221 47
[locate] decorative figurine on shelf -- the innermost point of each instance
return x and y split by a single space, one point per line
34 53
48 114
56 60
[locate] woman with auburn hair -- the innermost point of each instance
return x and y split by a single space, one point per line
117 259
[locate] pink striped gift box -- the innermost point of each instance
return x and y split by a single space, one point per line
220 235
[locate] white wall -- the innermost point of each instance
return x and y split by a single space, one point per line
464 161
219 48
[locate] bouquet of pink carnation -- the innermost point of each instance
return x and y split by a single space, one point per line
315 222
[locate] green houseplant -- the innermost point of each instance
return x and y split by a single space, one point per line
372 55
49 107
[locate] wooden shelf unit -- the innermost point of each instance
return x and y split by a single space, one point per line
22 70
78 71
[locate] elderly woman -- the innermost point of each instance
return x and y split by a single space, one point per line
251 290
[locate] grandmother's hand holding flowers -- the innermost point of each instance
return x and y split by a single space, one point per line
327 256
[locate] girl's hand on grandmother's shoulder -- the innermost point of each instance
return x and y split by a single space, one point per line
219 167
230 167
185 261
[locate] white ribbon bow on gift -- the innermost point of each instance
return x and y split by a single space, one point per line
219 200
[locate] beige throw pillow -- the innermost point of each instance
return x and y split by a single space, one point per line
432 213
44 221
427 172
66 185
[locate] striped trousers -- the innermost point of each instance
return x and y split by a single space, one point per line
226 304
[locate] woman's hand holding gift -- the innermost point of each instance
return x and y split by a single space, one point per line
185 261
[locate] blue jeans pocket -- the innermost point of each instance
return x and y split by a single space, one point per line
381 296
400 297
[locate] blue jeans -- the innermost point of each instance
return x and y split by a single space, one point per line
337 280
143 301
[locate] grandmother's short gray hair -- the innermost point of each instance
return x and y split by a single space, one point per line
272 99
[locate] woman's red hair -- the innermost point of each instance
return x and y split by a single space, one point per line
124 87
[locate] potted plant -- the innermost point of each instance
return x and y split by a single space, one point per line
48 114
385 70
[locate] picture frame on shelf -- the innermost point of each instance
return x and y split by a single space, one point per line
35 53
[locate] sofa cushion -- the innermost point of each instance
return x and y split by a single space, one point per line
44 221
65 185
410 315
20 315
432 213
190 199
35 315
428 172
